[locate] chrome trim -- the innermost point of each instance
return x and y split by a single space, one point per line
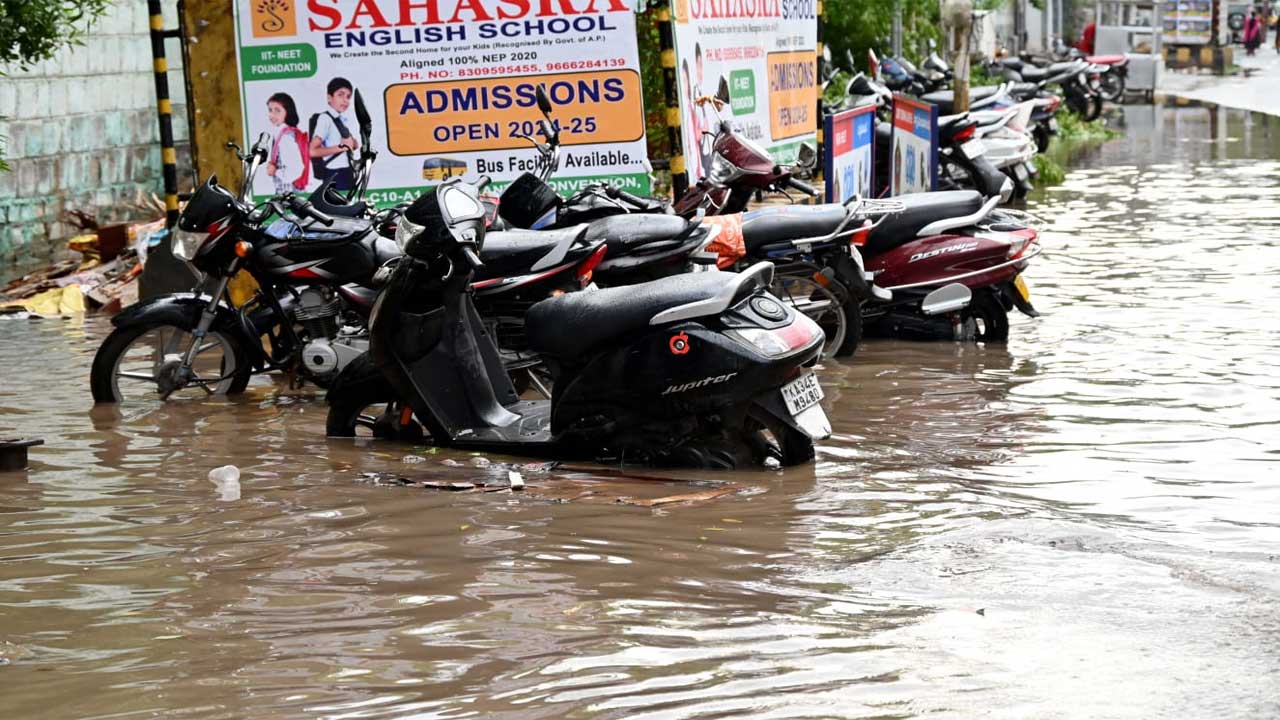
1036 250
760 275
940 226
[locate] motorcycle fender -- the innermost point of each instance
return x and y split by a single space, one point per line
814 422
1012 295
850 275
183 310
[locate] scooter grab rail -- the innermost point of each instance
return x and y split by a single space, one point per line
1029 253
759 275
940 226
884 208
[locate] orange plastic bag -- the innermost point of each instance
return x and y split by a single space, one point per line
729 244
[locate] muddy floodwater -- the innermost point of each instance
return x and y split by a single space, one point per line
1082 524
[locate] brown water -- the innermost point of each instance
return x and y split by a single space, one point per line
1080 525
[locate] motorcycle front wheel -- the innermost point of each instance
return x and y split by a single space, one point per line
362 404
144 362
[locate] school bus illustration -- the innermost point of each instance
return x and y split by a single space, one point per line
439 169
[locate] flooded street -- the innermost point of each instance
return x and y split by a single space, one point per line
1082 524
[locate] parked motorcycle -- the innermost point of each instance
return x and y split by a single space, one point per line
314 273
703 369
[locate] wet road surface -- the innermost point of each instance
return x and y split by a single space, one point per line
1081 524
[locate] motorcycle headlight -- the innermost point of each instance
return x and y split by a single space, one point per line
186 243
406 231
722 171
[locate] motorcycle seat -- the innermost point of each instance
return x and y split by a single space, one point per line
510 253
1013 63
572 324
1107 59
630 234
946 99
778 224
920 210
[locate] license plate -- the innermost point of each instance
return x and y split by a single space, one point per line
802 393
1023 291
1021 172
973 149
1053 124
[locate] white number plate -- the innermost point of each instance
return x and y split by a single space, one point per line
1053 124
802 393
973 149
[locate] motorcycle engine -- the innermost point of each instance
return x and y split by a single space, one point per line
328 350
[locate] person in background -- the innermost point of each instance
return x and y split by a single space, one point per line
331 137
287 166
1252 33
1086 38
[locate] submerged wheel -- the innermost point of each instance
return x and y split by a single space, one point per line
143 361
362 404
1042 137
986 320
770 438
1095 107
853 330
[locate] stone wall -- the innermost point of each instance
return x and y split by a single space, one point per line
82 133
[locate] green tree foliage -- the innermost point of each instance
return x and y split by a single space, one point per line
34 30
859 25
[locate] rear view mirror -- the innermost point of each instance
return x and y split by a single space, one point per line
945 299
807 157
362 113
722 91
826 54
544 102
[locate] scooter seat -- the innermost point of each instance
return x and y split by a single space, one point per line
920 210
1033 74
572 324
517 252
627 234
779 224
946 99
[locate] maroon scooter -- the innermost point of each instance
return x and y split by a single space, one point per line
948 267
739 169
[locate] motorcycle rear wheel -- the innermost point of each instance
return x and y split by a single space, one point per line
769 437
1113 87
986 318
799 290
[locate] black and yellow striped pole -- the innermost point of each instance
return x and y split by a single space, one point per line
666 43
822 122
168 155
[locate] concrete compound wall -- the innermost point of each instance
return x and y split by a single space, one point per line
82 133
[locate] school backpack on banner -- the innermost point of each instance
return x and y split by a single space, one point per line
304 151
321 164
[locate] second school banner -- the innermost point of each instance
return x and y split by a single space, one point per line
450 85
767 52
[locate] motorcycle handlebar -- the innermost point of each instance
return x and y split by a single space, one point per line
618 193
472 258
309 210
801 186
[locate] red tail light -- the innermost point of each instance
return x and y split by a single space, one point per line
965 134
584 271
1053 105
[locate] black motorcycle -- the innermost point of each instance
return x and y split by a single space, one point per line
703 369
314 273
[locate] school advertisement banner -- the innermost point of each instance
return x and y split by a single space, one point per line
767 52
851 153
450 86
915 146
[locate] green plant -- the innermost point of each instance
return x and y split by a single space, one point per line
34 30
1050 172
868 24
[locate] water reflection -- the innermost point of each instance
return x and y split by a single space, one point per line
1101 490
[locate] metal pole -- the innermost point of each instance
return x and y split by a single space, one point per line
897 28
168 154
671 92
821 140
